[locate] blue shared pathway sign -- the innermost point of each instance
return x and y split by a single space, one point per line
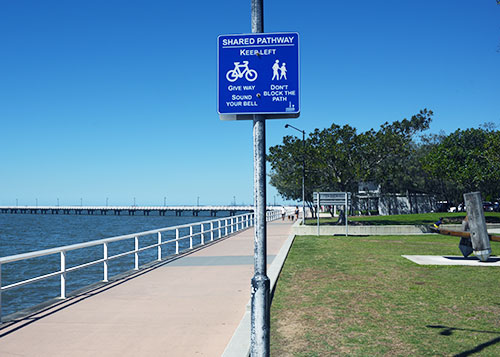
259 74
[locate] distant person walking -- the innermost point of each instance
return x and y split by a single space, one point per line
296 212
283 213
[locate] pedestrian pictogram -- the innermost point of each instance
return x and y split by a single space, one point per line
279 72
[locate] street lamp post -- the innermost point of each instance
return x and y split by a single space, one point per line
303 170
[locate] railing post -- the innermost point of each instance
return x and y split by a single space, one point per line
202 234
211 230
105 257
190 237
63 275
225 227
219 225
232 224
136 254
177 241
159 246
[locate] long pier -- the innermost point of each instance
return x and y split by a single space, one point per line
130 210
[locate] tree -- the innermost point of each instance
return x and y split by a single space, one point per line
286 168
338 157
395 165
465 161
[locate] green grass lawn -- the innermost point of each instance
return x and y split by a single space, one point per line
411 219
356 296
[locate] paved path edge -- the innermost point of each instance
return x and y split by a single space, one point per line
239 345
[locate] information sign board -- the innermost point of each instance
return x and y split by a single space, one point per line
332 198
258 74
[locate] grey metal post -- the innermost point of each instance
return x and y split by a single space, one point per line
260 281
345 215
477 223
303 178
260 323
317 212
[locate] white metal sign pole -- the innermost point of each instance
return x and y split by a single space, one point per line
260 317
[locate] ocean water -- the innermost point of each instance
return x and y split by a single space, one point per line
22 233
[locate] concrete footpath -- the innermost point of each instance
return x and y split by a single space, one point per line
188 307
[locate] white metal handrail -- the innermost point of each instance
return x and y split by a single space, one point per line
221 227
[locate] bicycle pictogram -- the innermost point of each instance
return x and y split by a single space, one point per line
241 70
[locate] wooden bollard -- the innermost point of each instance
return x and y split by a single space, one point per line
477 225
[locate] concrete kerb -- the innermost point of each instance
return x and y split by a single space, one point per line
239 345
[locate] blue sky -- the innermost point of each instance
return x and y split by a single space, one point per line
117 99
